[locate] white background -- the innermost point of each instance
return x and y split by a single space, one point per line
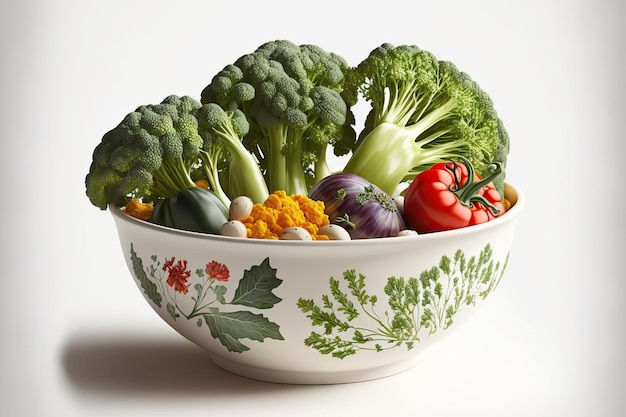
77 339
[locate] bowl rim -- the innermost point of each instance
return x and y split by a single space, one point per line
510 215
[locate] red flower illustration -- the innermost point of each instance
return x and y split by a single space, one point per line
177 274
217 271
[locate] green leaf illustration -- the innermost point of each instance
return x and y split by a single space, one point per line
172 310
403 300
334 346
230 327
319 317
220 292
149 287
345 304
256 285
425 304
254 290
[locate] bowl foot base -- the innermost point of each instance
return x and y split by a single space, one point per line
312 378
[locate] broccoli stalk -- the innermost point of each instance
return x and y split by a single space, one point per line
320 138
172 176
284 147
285 91
223 150
423 111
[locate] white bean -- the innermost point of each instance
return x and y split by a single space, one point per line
295 233
334 232
240 207
233 228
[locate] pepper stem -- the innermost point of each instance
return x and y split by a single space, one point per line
468 192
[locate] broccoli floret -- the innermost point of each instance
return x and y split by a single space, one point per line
289 94
423 111
150 154
223 152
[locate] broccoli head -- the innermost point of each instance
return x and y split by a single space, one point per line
290 94
423 111
150 154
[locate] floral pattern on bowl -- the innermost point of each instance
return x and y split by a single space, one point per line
418 306
316 312
170 281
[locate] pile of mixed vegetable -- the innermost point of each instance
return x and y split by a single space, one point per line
249 158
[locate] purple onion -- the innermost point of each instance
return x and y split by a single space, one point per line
360 207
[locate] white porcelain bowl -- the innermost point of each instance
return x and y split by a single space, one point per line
316 312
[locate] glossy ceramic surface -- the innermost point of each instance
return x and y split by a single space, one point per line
317 312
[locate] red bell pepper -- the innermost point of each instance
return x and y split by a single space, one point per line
450 195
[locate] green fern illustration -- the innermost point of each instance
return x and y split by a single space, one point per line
417 306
